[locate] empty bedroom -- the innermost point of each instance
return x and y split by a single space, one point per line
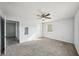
39 28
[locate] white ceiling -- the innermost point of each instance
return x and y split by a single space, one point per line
27 10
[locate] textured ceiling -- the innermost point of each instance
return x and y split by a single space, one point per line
58 10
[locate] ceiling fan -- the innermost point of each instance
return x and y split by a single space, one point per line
43 15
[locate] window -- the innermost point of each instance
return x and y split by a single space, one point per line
49 28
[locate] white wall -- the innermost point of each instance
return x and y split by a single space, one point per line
76 31
34 29
62 30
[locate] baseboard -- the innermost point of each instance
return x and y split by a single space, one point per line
61 40
77 49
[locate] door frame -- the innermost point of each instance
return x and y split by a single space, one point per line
17 28
3 35
17 24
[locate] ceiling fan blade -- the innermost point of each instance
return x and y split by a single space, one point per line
47 14
39 15
48 17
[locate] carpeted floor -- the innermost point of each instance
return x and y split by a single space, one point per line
42 47
11 41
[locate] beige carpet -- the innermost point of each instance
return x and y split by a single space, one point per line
42 47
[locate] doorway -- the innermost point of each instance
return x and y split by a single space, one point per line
12 32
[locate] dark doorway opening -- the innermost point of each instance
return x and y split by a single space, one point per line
12 32
2 35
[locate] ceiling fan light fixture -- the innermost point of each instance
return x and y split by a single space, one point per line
44 16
